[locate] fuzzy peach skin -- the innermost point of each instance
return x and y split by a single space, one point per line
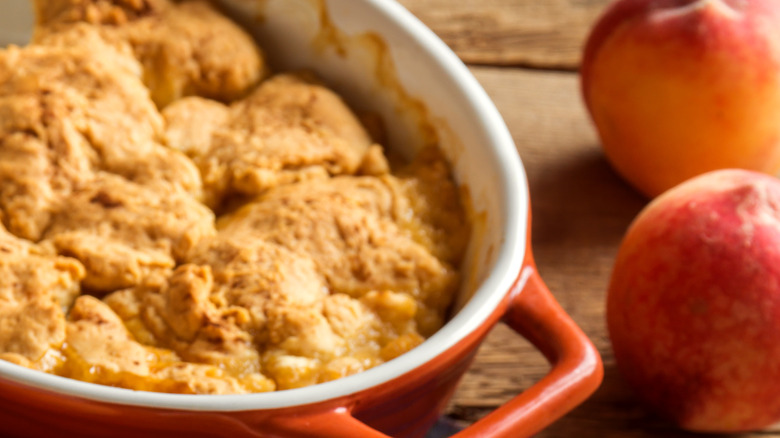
676 88
693 306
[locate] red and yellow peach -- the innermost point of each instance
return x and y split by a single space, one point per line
677 88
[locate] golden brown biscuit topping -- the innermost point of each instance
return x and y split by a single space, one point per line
178 222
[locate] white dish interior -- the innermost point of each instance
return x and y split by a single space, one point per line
379 57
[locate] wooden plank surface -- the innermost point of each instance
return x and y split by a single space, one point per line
581 208
531 33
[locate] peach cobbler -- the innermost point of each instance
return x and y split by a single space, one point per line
179 218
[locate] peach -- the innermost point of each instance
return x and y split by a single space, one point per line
676 88
693 306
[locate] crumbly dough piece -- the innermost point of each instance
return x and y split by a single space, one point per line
125 233
66 113
101 350
186 48
191 122
123 124
250 306
114 12
258 275
36 291
353 228
290 129
284 296
181 315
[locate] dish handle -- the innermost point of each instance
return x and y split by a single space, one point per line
576 370
532 312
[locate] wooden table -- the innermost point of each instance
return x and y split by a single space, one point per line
526 54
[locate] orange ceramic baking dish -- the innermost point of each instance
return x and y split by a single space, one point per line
381 58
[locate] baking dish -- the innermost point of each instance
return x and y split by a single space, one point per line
381 59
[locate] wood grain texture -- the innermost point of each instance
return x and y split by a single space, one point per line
531 33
